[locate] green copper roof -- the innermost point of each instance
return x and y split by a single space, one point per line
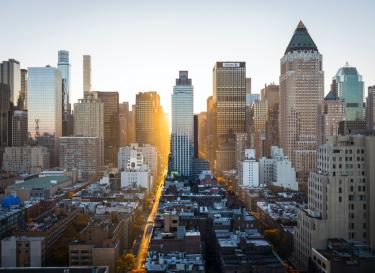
332 95
301 40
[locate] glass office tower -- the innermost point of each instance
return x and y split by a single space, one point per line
182 124
64 67
350 90
45 107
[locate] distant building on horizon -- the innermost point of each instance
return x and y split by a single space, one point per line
182 136
86 74
370 115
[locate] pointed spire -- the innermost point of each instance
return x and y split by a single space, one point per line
301 40
301 25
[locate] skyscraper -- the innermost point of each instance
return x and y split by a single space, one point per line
23 96
301 90
45 106
10 88
183 124
124 120
110 101
350 91
151 124
259 111
19 128
89 121
229 94
370 115
147 106
270 93
211 140
86 73
64 66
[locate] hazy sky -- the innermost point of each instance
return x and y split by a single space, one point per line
140 45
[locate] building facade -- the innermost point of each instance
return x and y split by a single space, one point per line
86 74
341 196
80 154
64 66
89 121
19 128
110 102
25 159
45 107
349 86
183 124
370 115
229 95
301 90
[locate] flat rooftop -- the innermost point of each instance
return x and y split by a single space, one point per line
42 182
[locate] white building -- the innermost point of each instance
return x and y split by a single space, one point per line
136 173
250 169
145 153
182 125
277 170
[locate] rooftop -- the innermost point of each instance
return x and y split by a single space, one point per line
42 182
301 40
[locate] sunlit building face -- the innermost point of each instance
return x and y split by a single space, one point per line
44 101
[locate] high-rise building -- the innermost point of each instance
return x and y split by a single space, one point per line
147 105
89 121
229 94
23 96
10 89
259 111
350 86
301 90
86 73
123 123
211 139
151 123
270 93
80 154
341 195
202 134
370 114
195 135
110 101
183 124
330 112
44 106
64 66
19 128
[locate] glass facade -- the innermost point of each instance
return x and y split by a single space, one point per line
350 90
64 67
182 124
45 105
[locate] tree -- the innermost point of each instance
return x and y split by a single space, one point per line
138 271
125 263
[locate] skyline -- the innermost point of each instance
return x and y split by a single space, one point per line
191 35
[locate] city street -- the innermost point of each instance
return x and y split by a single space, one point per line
147 232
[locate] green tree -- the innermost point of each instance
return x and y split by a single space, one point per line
125 263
